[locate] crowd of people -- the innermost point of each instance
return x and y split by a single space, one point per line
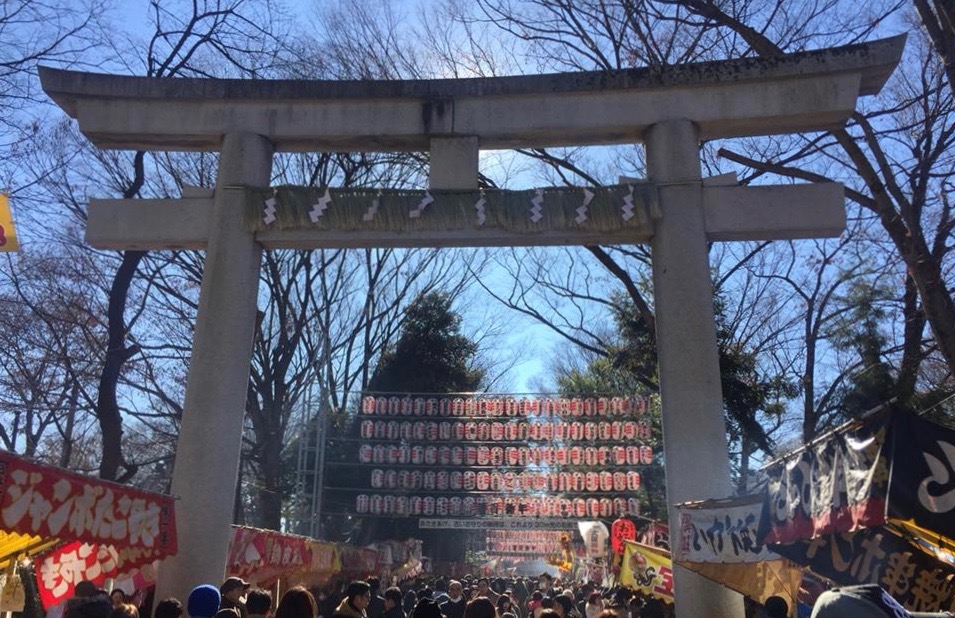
467 597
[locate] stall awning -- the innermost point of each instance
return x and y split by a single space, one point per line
264 555
870 503
86 528
14 545
719 540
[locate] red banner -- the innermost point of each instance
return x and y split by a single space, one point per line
59 571
50 502
261 555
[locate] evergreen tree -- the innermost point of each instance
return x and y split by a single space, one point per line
431 355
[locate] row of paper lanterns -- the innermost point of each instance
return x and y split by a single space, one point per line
443 480
472 455
504 406
470 506
521 431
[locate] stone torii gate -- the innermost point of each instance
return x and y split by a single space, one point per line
670 109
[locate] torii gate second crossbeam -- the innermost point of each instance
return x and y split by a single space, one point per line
670 109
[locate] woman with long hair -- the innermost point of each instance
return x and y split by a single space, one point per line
297 602
504 605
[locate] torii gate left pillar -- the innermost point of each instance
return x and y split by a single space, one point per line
207 459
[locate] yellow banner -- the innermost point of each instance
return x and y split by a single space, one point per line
648 570
8 235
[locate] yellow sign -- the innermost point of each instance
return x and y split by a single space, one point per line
648 570
8 235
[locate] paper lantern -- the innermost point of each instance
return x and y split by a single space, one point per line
620 531
367 429
365 453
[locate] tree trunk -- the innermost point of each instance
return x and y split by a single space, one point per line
744 454
911 342
269 514
66 454
107 406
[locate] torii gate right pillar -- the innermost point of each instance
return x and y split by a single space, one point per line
694 434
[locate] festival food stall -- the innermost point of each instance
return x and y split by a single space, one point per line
720 541
869 503
79 527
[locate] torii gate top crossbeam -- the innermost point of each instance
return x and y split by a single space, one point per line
805 91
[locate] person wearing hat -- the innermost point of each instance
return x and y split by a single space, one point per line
233 592
864 601
203 601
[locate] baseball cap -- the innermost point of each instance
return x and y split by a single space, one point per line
233 583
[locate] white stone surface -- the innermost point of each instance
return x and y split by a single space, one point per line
694 434
207 457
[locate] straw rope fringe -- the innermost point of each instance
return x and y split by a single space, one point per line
451 210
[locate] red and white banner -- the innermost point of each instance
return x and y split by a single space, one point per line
59 571
50 502
261 555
